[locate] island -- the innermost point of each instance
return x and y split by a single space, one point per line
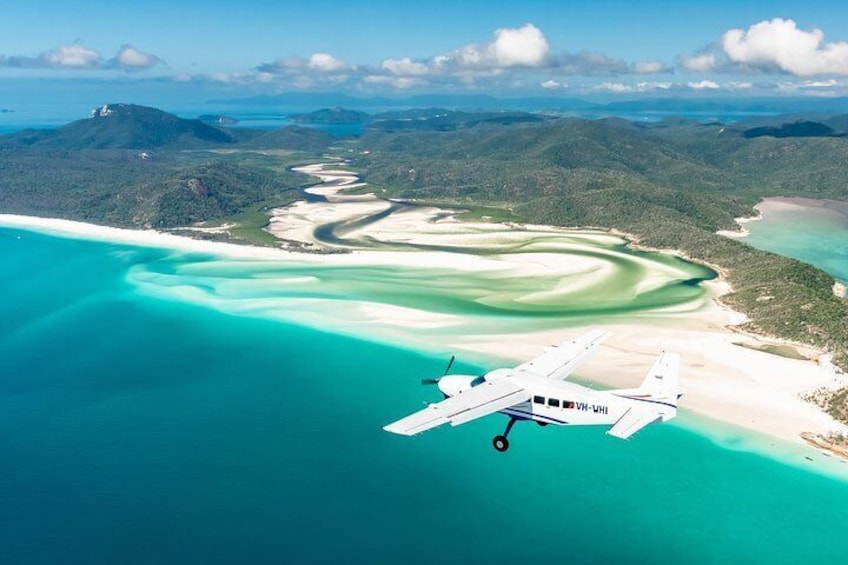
472 191
335 116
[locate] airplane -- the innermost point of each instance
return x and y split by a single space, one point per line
537 391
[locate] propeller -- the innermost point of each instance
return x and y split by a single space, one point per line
436 381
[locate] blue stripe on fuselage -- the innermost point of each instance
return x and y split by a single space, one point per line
531 415
651 401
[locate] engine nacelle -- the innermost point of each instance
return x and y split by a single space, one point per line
451 385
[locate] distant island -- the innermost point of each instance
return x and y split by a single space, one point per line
475 102
6 111
217 119
435 119
335 115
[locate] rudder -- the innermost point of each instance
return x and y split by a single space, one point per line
661 383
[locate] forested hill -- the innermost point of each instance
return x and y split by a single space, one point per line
126 126
133 166
673 184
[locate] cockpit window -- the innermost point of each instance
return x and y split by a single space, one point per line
479 380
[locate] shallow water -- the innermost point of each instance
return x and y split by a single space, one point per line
609 280
812 231
141 430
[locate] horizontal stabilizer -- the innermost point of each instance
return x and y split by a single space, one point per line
633 421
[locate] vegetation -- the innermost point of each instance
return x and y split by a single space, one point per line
294 138
672 185
335 115
133 166
126 126
435 119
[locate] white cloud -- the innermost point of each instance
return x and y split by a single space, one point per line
550 84
819 83
318 66
395 82
73 56
622 88
405 67
817 88
616 87
326 63
512 57
701 63
703 85
657 86
131 58
222 77
79 57
779 44
649 67
523 46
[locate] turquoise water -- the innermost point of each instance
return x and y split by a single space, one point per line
140 430
812 231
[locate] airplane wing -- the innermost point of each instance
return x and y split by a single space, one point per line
559 361
485 398
634 420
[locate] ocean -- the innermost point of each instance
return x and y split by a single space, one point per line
814 231
137 429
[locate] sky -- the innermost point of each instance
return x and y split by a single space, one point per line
611 48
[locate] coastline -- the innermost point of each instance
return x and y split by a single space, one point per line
742 231
728 377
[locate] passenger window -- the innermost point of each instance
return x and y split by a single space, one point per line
567 404
539 399
553 402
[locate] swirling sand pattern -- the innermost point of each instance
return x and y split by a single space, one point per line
430 271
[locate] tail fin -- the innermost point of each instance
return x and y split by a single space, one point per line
661 384
655 399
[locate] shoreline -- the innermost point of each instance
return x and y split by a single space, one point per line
742 231
725 381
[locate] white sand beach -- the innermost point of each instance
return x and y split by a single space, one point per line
725 376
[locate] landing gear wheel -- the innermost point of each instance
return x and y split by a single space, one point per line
501 443
542 424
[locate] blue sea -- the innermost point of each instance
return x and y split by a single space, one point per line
138 430
814 231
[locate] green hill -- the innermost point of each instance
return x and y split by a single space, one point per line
119 188
295 138
134 166
447 120
126 126
331 116
672 184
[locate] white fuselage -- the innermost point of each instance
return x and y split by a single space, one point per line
557 402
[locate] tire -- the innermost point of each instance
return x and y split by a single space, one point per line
500 443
